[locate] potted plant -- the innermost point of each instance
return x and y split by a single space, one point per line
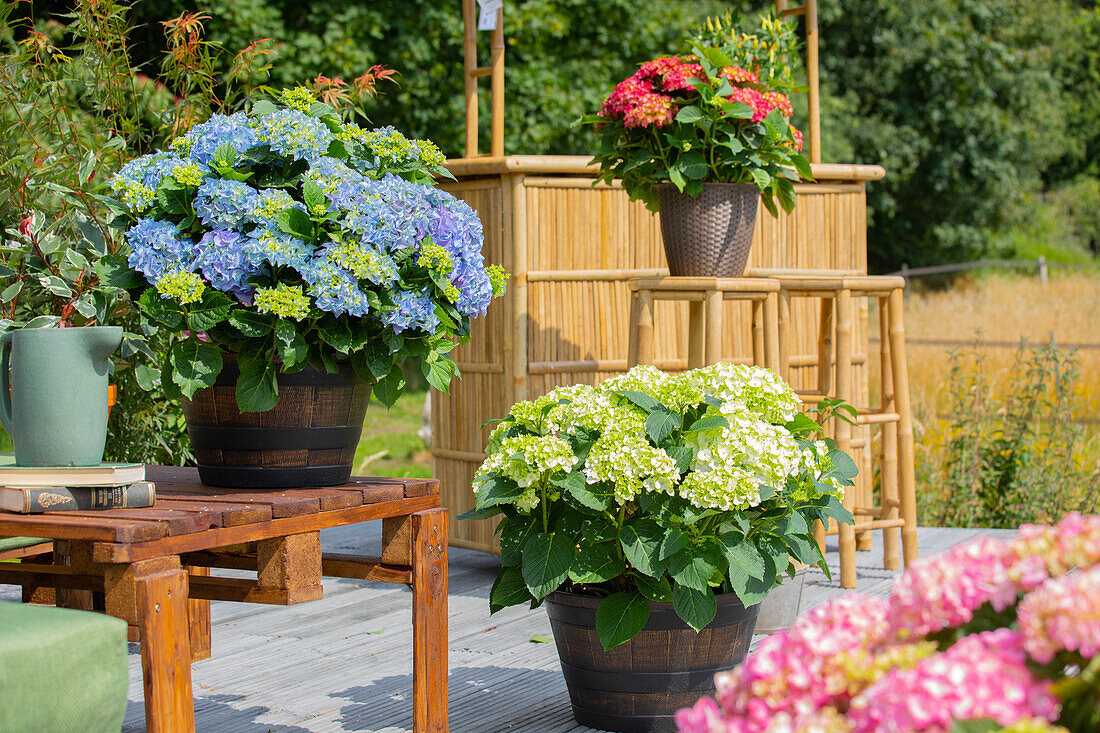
701 138
303 259
55 345
652 513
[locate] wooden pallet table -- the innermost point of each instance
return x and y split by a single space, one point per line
152 567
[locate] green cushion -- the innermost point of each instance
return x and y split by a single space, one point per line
61 670
15 543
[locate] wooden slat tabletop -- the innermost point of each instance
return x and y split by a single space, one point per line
184 506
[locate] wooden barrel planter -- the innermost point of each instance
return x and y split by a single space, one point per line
308 439
637 687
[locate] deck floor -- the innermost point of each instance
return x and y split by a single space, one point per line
344 663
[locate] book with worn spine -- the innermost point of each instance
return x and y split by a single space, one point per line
37 499
105 474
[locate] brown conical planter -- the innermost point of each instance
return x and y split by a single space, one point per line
709 235
307 439
637 687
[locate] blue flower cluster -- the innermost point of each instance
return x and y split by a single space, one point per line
353 253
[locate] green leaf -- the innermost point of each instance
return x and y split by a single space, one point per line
743 557
209 312
263 108
508 590
163 311
640 399
683 456
655 589
514 533
983 725
388 389
676 175
843 465
833 508
285 331
195 365
145 376
225 155
675 540
598 530
619 617
439 372
694 166
694 566
250 323
335 332
796 524
85 305
689 114
295 222
546 561
314 196
661 423
761 177
708 422
257 389
378 359
540 639
11 291
56 285
294 354
805 548
497 490
593 496
641 541
696 607
802 424
596 563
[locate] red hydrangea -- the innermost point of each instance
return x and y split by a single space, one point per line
737 75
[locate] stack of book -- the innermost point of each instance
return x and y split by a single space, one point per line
34 489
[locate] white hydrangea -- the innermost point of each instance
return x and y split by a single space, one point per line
677 392
726 487
759 390
627 461
525 458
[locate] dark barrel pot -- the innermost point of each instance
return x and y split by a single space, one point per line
307 439
708 235
637 687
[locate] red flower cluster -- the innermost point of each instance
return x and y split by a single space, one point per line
643 99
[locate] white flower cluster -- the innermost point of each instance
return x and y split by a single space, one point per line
627 461
729 464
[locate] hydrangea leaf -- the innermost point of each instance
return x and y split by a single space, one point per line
592 496
209 312
508 590
389 388
250 323
708 422
675 540
195 365
693 566
257 388
696 607
619 617
640 399
296 222
655 589
661 423
804 548
546 562
285 331
497 490
294 355
161 310
438 370
743 556
514 533
641 540
596 563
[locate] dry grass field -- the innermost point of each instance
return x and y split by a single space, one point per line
1003 308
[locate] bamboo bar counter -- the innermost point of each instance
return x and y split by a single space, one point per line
572 249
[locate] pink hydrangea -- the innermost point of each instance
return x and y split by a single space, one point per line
626 96
760 106
655 110
737 75
982 676
801 670
779 101
944 591
1074 542
1062 613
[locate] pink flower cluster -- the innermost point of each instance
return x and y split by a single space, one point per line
859 664
982 676
1062 613
651 96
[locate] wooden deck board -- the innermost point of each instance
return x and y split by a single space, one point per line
318 667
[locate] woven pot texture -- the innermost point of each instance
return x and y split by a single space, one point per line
709 235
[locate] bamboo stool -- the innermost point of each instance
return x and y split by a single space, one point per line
705 296
896 513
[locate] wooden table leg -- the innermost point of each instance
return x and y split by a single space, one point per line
843 431
713 339
429 586
152 595
198 618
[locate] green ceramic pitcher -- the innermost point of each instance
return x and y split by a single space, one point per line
56 407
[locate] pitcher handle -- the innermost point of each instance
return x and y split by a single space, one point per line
5 381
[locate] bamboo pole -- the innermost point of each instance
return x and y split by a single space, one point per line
469 50
814 95
891 559
906 468
496 138
697 326
843 430
713 338
518 225
771 334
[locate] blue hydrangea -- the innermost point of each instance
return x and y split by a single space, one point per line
205 138
294 134
269 244
334 289
270 202
335 177
159 247
224 262
136 184
414 310
224 203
